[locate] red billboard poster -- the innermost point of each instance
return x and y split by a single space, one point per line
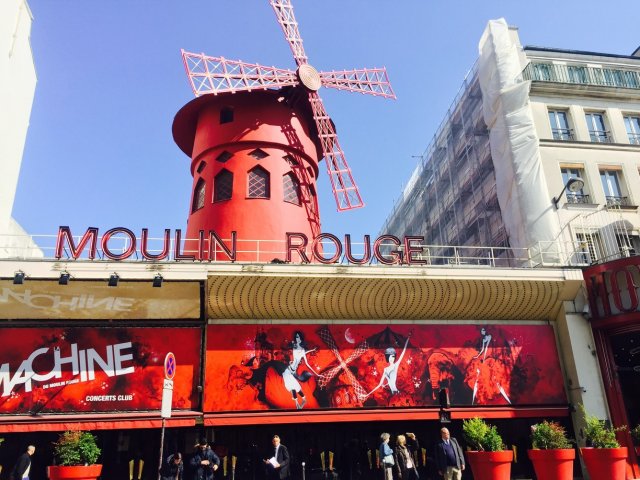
266 367
56 370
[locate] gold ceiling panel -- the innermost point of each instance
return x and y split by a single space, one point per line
248 295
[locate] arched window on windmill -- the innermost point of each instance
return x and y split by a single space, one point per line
198 196
291 188
226 115
223 186
258 183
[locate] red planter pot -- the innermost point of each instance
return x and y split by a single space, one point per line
77 472
553 463
491 465
609 463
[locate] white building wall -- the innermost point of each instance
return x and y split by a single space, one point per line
584 383
17 88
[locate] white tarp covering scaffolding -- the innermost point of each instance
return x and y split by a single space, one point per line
520 182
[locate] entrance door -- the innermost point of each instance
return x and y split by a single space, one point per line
626 354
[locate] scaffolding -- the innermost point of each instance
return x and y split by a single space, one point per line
451 197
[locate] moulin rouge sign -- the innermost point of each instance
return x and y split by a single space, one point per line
397 251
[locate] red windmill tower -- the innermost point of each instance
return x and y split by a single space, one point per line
255 136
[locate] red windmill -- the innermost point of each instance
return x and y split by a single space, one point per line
233 140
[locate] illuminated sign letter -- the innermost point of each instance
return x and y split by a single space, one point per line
367 250
317 248
300 248
395 255
65 233
125 253
165 247
177 255
214 240
410 249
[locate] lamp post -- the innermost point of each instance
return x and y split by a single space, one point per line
574 184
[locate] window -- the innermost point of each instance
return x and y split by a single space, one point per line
611 187
291 188
201 167
626 244
597 131
291 161
559 125
589 248
578 196
226 115
633 128
258 185
223 186
198 196
258 154
224 157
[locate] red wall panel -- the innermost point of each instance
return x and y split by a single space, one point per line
261 367
95 369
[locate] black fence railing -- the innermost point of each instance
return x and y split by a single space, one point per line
577 198
600 136
613 201
562 133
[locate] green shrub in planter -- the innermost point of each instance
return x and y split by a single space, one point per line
635 434
549 436
596 432
481 436
76 448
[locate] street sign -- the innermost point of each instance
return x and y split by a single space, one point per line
170 366
167 397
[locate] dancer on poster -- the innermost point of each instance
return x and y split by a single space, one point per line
390 372
290 375
485 343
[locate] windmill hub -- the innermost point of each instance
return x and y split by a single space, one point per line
309 77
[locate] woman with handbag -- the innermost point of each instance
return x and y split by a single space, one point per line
405 465
386 456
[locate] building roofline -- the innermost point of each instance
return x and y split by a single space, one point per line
580 52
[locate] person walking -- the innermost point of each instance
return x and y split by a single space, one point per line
23 465
449 456
386 456
204 462
172 468
277 464
405 465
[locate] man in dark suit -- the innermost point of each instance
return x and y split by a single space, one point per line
23 465
277 463
449 456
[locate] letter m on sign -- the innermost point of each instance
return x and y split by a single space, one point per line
64 233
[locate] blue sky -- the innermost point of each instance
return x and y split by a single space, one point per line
99 150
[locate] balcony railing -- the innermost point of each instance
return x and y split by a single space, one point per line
562 133
600 136
576 198
581 75
43 247
634 138
613 201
